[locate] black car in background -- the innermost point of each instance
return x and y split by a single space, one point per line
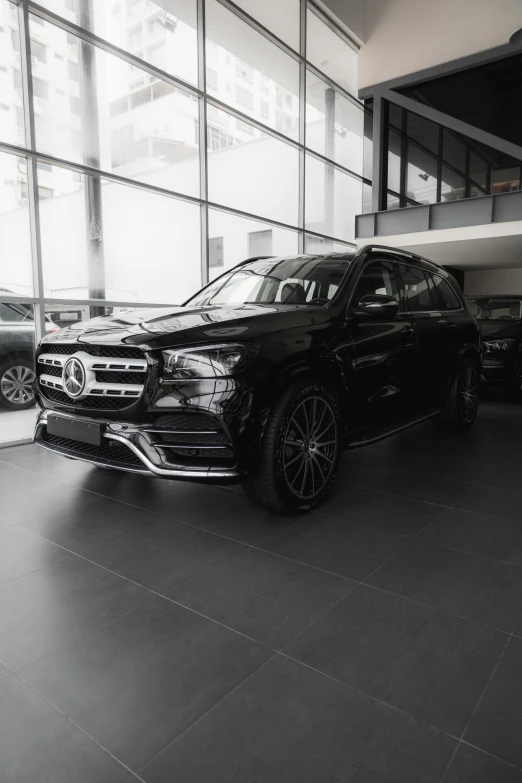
500 323
266 374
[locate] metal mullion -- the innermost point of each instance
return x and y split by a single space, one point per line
250 216
218 104
203 151
333 84
301 214
331 24
53 300
404 159
335 165
260 28
32 172
117 178
102 43
439 163
467 188
20 298
330 238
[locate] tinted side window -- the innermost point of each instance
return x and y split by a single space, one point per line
446 296
379 277
416 289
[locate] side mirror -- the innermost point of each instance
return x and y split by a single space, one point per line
377 306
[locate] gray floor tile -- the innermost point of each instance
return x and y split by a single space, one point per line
473 766
208 508
37 743
14 478
21 552
55 606
493 537
423 661
51 498
266 597
354 476
139 681
35 458
418 486
344 548
494 501
165 554
389 512
496 726
289 724
84 526
470 586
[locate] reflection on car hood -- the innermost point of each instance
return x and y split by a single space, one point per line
500 330
160 327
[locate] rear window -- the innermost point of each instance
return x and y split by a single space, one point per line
501 309
446 297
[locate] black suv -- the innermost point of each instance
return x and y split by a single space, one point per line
500 323
266 374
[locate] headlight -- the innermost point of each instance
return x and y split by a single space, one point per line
498 345
209 361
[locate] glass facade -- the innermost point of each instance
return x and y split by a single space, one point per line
145 147
427 163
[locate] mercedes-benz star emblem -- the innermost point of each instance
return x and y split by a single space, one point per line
73 377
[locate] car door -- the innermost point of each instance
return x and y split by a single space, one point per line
438 336
384 351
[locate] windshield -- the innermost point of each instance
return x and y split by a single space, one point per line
294 281
498 309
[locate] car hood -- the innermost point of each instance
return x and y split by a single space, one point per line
162 327
500 330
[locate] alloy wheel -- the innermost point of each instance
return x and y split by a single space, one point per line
16 384
469 393
310 447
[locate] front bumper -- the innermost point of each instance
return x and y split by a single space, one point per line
135 448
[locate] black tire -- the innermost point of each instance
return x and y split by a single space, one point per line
16 384
460 410
296 471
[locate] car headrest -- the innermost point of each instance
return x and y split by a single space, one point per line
293 293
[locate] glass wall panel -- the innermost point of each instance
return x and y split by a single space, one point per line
330 53
161 33
128 245
322 245
17 340
421 176
94 108
454 150
478 170
258 174
453 185
251 74
233 238
332 200
505 180
11 101
282 19
334 125
15 242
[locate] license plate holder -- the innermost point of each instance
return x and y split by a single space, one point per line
74 429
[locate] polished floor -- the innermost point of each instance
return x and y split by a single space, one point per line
167 632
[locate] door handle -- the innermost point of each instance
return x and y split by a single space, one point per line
407 331
452 327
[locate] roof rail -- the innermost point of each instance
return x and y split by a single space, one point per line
254 258
398 251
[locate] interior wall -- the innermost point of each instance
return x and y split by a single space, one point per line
493 281
404 36
352 14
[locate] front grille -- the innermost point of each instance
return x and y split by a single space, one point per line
109 451
89 403
488 362
115 376
116 352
